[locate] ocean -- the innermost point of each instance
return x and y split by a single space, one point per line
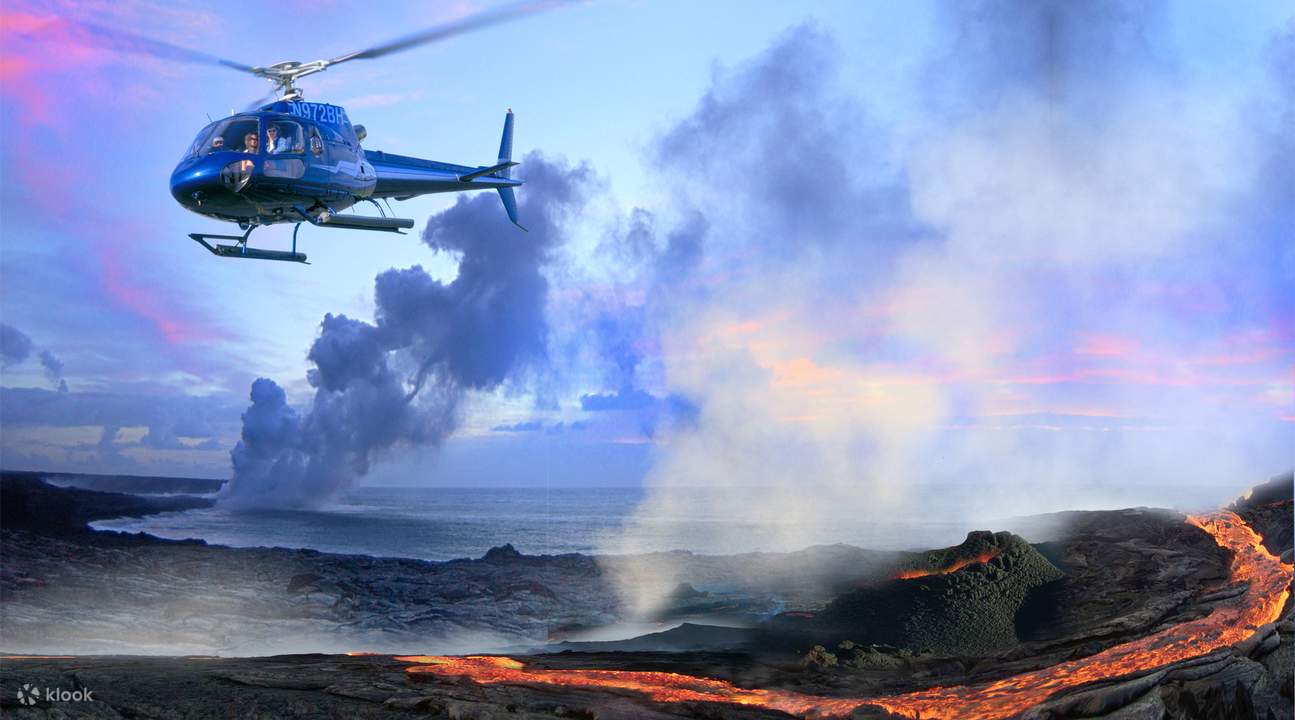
450 523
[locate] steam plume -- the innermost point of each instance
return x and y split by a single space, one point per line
862 324
400 379
16 347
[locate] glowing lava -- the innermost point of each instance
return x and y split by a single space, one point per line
957 565
1269 580
659 686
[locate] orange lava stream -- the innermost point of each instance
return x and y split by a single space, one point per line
957 565
659 686
1261 603
1269 580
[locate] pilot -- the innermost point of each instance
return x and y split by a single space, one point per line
251 143
275 144
217 142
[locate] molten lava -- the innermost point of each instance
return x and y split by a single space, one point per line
955 566
659 686
1268 588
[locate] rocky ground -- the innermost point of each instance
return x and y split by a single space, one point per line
1110 578
66 588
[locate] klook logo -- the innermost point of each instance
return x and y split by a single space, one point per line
28 695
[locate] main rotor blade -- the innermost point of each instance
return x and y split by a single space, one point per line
450 29
122 41
256 104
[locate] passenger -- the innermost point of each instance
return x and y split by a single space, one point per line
251 143
217 142
275 144
316 144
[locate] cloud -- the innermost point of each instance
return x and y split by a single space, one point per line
45 429
15 346
656 270
53 369
400 380
538 426
190 416
632 399
520 427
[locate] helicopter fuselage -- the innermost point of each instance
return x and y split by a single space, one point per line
235 172
295 161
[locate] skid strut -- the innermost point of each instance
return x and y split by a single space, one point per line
240 249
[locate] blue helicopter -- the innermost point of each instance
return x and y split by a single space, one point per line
292 161
301 162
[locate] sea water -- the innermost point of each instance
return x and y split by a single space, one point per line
450 523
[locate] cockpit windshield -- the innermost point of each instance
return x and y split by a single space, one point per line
236 134
200 142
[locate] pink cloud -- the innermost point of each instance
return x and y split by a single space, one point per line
1105 345
51 68
170 312
50 65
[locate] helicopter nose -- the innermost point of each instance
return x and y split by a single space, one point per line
191 186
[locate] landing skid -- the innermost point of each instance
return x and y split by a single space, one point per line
328 219
240 249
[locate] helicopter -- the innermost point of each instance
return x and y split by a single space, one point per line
293 161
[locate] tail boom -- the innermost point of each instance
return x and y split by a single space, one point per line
401 177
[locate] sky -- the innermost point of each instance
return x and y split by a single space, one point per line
861 248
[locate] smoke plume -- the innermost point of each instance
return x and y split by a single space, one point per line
16 347
1032 295
400 379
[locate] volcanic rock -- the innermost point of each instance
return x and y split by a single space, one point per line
969 611
1127 572
505 553
1099 700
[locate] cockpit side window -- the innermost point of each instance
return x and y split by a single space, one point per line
200 143
236 134
283 137
338 150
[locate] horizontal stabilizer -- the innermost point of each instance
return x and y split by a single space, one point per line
487 171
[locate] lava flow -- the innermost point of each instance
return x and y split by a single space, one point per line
953 567
1268 578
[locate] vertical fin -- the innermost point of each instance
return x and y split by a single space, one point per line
506 155
506 143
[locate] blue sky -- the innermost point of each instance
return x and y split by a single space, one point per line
930 240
